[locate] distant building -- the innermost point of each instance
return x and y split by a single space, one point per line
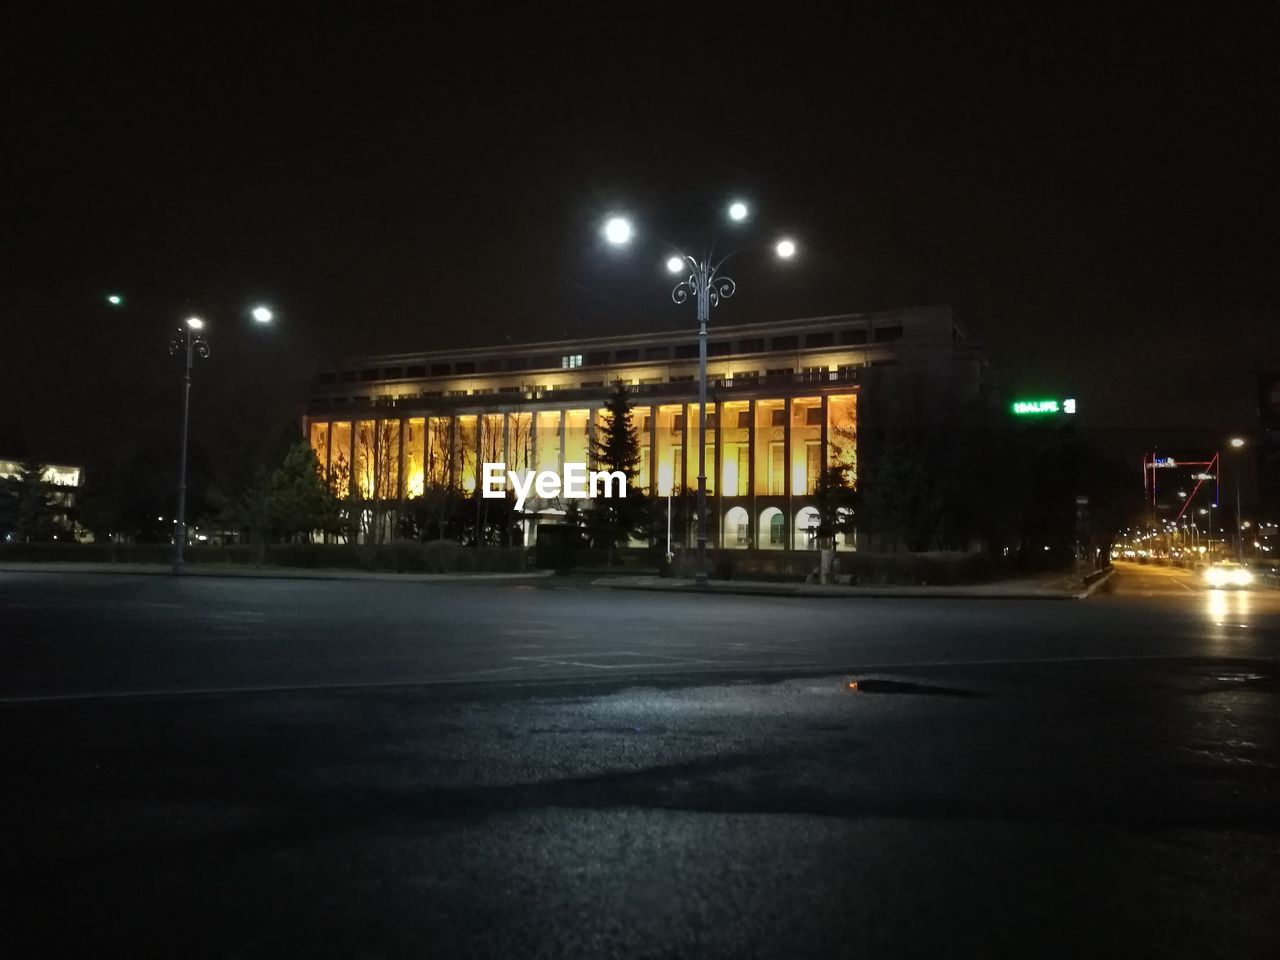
783 401
61 481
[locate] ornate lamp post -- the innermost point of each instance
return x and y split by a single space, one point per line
1237 443
193 343
707 286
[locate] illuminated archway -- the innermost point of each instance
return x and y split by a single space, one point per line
773 530
807 529
737 528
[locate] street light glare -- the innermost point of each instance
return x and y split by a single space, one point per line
617 230
675 264
115 299
737 210
263 314
1237 442
786 249
195 323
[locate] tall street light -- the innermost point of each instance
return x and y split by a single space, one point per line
190 341
707 286
1238 443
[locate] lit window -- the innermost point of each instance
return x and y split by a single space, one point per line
571 361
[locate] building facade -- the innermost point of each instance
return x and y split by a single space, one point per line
784 401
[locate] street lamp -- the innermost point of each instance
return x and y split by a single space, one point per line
191 342
707 286
617 230
262 314
1237 443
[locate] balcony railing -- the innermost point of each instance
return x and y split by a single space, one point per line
681 389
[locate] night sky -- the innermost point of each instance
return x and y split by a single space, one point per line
1096 193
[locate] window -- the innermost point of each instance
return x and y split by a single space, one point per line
779 372
490 366
858 335
813 416
508 389
754 345
784 343
417 370
686 351
591 384
777 468
778 418
775 530
369 373
683 378
457 393
597 359
348 376
571 361
657 353
886 334
677 423
440 369
819 339
744 419
515 363
392 373
464 366
433 393
626 356
719 349
812 462
543 363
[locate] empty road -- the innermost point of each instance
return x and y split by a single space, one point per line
235 768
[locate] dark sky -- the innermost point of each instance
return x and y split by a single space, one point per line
1096 192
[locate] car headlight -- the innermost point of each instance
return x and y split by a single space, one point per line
1215 577
1243 578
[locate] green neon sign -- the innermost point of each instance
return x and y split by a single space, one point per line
1033 408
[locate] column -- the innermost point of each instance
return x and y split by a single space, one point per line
718 472
751 473
788 530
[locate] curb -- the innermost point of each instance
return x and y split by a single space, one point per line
807 591
1088 591
281 573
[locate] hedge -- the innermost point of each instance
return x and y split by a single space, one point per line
441 556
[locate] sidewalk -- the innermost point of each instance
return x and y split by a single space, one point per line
279 573
1054 587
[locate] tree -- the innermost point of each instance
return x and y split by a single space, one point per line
298 501
835 500
100 502
29 509
616 448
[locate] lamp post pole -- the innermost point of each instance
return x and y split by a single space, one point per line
705 284
192 343
1237 443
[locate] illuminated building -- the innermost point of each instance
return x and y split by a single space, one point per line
60 481
783 401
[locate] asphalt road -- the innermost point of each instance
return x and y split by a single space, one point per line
236 768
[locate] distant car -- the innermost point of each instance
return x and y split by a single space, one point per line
1228 574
